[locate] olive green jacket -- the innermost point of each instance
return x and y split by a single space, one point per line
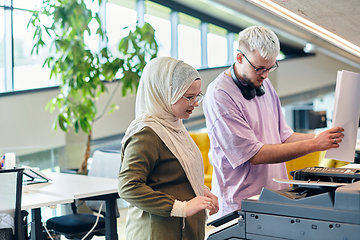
150 180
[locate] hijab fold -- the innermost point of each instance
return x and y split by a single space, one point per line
163 82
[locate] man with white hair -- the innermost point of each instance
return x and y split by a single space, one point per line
250 139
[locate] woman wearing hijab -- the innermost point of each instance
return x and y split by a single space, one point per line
162 175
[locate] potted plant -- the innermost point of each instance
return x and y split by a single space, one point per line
82 71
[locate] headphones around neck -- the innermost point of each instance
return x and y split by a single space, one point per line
247 91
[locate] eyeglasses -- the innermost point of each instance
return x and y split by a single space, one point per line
197 98
261 70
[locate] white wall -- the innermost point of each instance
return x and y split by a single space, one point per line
304 74
26 127
24 124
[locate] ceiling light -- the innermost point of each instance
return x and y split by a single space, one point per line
309 47
309 26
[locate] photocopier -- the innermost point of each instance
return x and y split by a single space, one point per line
322 203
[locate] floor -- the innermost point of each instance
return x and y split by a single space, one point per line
121 226
121 221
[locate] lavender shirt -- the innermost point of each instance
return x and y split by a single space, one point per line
237 129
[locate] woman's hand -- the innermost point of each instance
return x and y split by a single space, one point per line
197 204
209 201
214 200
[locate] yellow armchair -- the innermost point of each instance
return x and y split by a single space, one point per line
331 163
203 142
309 160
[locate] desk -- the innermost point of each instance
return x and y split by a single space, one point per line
35 200
65 188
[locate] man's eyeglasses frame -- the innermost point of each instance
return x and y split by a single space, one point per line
262 70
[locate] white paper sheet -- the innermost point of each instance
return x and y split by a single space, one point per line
346 114
309 183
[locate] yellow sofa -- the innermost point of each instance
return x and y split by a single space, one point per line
203 142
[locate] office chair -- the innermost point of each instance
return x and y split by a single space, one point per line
105 163
10 207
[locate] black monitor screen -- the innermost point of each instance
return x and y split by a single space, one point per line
308 119
317 119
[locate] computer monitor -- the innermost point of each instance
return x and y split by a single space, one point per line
305 119
317 119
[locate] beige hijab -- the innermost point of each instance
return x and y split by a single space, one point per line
163 82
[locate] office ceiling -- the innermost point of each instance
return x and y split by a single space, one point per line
338 17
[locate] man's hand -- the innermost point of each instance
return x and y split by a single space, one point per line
297 145
329 138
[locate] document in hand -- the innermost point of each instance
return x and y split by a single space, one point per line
346 114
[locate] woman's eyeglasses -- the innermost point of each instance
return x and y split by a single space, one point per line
197 98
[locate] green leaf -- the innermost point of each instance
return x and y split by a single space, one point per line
63 123
113 107
76 126
50 106
85 125
81 70
54 126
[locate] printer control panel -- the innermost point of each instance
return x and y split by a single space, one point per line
325 170
339 175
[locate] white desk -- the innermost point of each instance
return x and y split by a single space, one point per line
65 188
76 186
33 199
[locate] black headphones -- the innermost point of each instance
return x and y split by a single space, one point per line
247 91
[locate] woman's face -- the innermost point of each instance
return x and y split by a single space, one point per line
181 109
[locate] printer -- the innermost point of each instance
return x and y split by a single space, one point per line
323 203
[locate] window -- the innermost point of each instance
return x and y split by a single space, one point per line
236 45
120 17
216 46
158 16
189 40
26 4
281 56
93 40
117 18
28 71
